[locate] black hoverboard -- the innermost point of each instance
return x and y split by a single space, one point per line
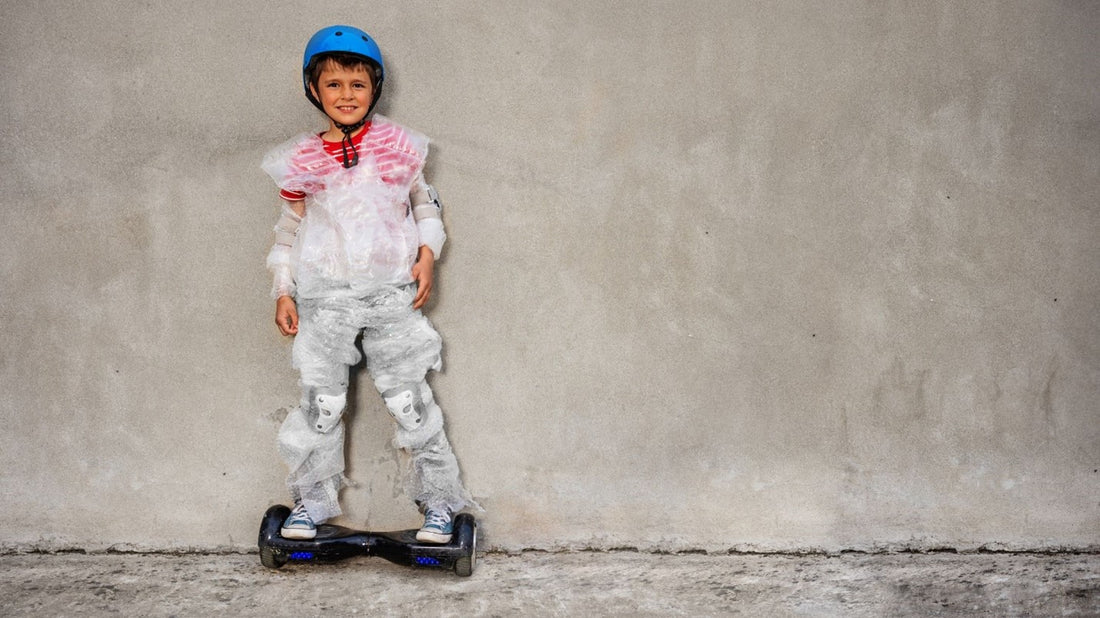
334 543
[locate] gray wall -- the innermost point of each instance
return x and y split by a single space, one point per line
722 275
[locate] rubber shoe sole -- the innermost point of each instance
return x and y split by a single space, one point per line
298 533
426 536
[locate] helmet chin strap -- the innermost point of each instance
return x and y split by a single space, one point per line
346 144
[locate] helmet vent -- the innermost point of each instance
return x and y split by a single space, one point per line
338 33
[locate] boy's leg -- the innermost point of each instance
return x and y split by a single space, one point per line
401 347
433 475
311 439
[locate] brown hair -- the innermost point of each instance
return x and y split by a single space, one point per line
343 60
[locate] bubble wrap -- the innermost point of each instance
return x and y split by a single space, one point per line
316 463
431 470
358 233
401 346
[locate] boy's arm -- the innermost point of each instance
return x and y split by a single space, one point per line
428 213
423 273
286 315
278 261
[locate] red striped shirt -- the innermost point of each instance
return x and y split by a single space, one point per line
337 151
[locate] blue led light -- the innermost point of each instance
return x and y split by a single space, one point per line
427 561
302 555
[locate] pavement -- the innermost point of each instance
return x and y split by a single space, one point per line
556 584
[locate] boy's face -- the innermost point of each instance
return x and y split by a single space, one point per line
344 93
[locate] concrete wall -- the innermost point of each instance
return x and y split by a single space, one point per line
772 276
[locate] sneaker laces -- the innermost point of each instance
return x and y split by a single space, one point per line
437 519
300 514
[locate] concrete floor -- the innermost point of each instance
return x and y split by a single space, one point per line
558 584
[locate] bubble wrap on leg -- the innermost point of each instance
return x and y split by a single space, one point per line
433 476
323 351
401 347
316 463
400 344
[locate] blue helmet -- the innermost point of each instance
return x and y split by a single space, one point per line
345 40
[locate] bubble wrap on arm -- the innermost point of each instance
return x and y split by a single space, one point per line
297 165
427 210
279 260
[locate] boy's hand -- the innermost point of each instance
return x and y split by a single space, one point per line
286 315
422 274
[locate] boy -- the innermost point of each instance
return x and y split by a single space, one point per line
354 255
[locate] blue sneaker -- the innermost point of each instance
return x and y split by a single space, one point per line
438 526
299 525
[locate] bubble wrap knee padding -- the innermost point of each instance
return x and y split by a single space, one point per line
431 423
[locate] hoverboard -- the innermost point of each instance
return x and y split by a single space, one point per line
334 543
